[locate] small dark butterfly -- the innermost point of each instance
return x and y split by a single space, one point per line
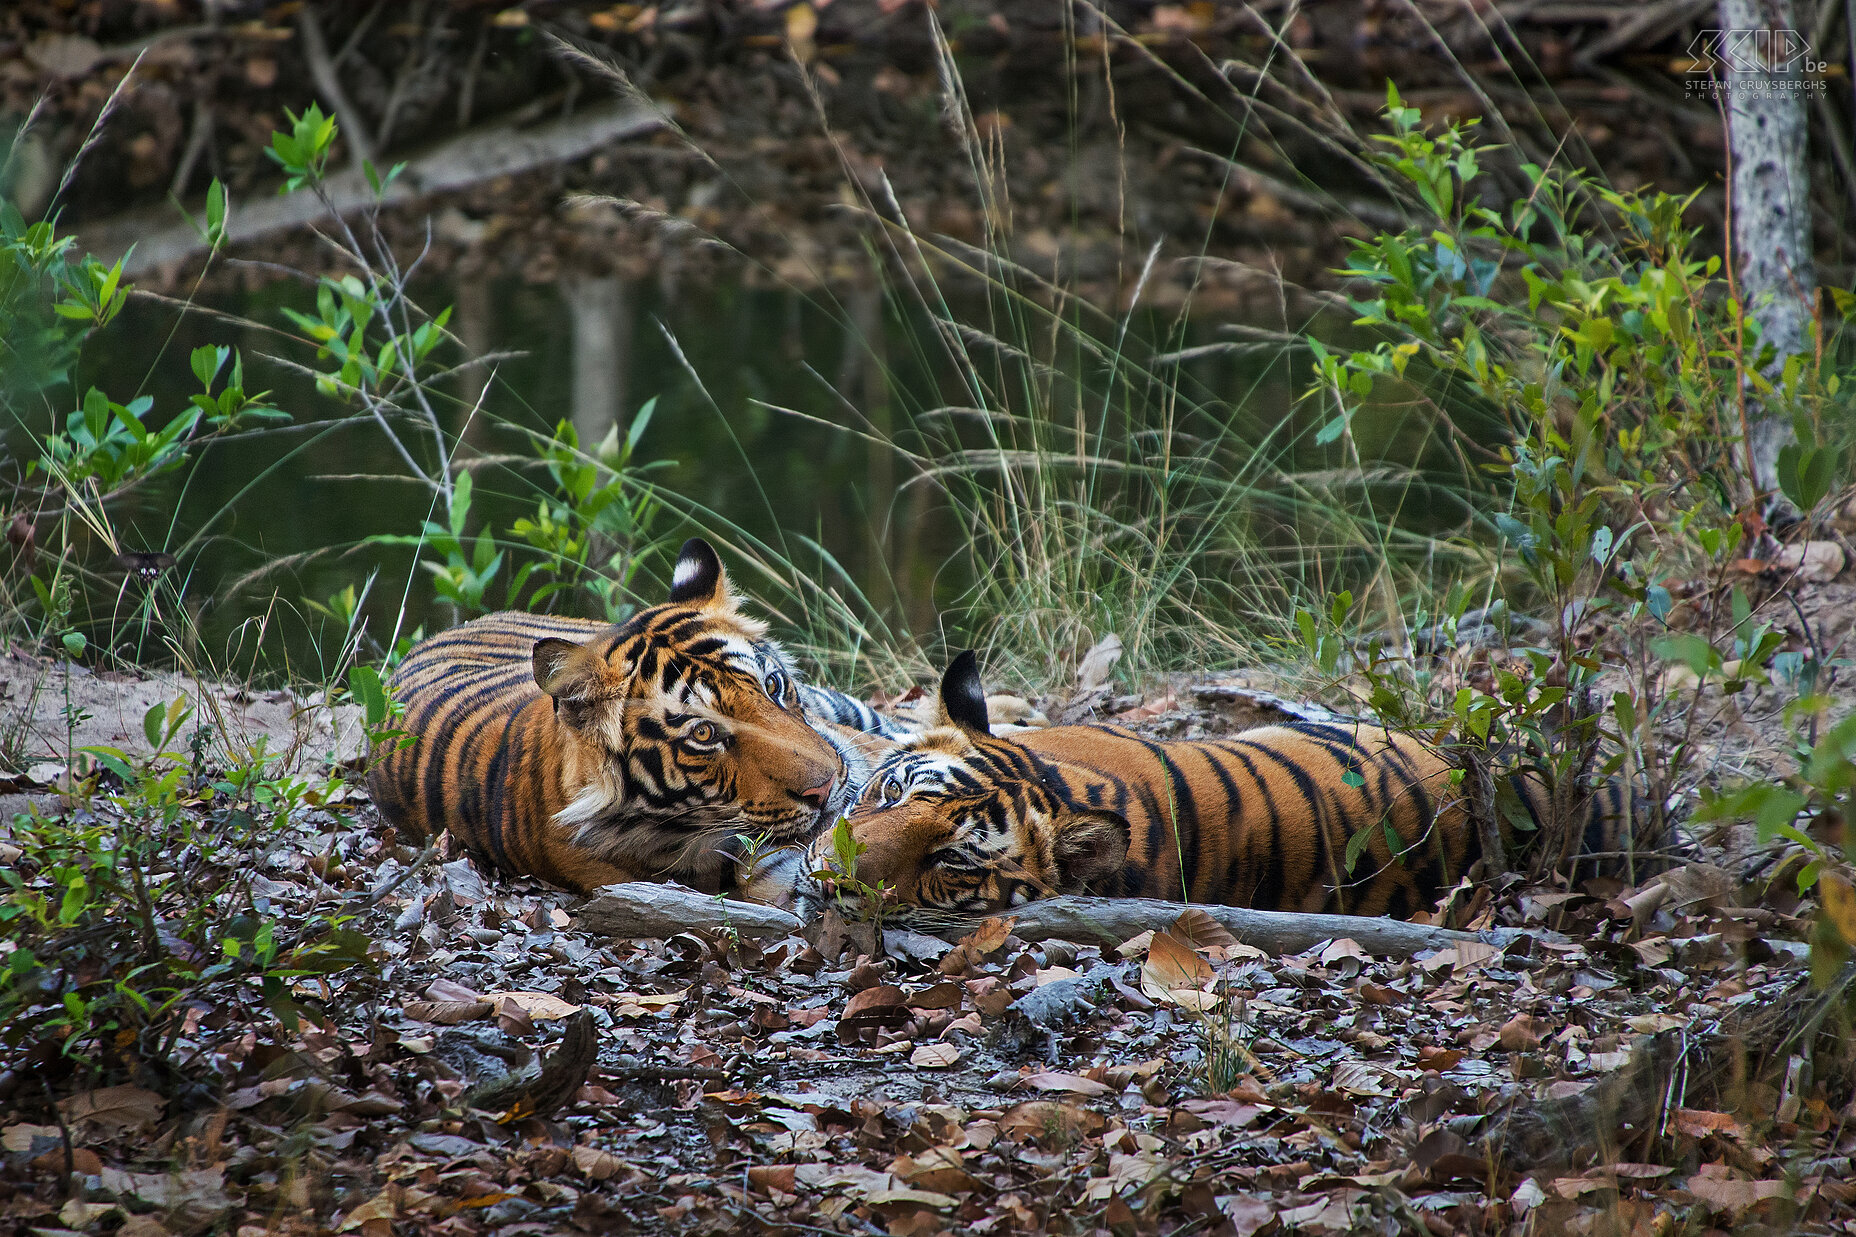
144 566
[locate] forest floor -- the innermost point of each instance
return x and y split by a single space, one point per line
1640 1061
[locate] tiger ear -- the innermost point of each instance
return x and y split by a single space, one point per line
557 670
698 579
963 698
1090 848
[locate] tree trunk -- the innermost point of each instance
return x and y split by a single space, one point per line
602 329
1760 67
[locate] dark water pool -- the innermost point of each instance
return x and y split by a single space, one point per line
263 524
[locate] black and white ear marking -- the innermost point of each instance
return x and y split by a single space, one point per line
552 659
698 575
963 698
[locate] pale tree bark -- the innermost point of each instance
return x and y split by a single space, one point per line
602 329
473 321
1767 139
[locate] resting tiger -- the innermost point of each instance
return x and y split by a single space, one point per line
960 819
585 754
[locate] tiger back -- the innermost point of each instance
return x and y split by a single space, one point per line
585 754
1292 817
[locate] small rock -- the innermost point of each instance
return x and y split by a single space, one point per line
448 1145
1815 561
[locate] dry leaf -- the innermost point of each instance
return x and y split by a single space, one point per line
1344 947
1651 1024
1171 963
1135 946
84 1161
1098 663
1729 1195
597 1165
1839 903
1439 1059
942 1169
1050 1119
945 995
447 990
448 1013
1699 1123
908 1194
772 1178
1522 1033
935 1056
1073 1084
114 1108
1196 929
535 1005
21 1137
1360 1078
883 1007
989 936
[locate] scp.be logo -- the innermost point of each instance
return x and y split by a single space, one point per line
1753 51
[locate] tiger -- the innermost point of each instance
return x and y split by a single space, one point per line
586 754
1281 817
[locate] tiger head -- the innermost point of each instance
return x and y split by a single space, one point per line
682 730
961 819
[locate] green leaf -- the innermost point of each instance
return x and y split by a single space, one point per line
216 213
1513 808
364 682
460 504
1356 846
115 760
640 421
1690 650
74 643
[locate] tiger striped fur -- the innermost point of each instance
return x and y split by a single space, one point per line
960 819
586 754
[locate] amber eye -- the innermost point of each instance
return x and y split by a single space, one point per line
776 686
702 732
892 789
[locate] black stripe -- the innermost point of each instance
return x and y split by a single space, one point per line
1311 800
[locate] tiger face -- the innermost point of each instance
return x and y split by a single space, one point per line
961 820
683 730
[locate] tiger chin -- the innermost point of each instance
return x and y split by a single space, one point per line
659 748
957 819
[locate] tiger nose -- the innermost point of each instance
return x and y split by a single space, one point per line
820 794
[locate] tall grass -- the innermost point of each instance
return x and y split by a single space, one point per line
1097 487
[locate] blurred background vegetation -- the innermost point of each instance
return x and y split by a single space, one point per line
986 328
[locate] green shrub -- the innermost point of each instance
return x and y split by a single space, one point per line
133 902
1615 372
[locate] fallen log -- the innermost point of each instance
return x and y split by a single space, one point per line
158 239
1113 920
645 909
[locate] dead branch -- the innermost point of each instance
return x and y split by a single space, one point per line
1114 920
643 909
499 149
